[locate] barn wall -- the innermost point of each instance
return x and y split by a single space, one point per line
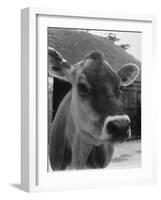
131 104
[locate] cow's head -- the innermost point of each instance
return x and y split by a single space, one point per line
95 91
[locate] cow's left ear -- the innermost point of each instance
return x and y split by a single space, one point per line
128 73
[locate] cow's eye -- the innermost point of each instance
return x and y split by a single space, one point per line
119 91
83 89
121 87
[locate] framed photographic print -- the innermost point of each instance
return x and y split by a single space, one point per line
86 118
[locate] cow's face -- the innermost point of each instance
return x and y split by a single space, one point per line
96 88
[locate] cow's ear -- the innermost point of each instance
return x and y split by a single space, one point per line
57 65
128 73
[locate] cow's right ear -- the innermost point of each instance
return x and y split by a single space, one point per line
58 66
128 73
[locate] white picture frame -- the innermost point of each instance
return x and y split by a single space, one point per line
33 142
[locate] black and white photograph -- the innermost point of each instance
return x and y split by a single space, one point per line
94 99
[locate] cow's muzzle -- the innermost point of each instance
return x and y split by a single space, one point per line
118 128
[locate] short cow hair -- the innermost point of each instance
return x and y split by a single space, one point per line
96 55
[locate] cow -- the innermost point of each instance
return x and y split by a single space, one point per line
89 119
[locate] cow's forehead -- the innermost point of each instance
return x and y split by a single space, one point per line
99 74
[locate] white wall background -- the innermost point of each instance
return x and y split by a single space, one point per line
10 98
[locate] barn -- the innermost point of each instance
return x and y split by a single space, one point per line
73 46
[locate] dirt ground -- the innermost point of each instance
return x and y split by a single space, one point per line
127 155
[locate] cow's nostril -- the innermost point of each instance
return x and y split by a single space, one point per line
112 127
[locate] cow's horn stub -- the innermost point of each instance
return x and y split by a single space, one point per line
97 56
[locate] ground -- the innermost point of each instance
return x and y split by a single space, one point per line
127 155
